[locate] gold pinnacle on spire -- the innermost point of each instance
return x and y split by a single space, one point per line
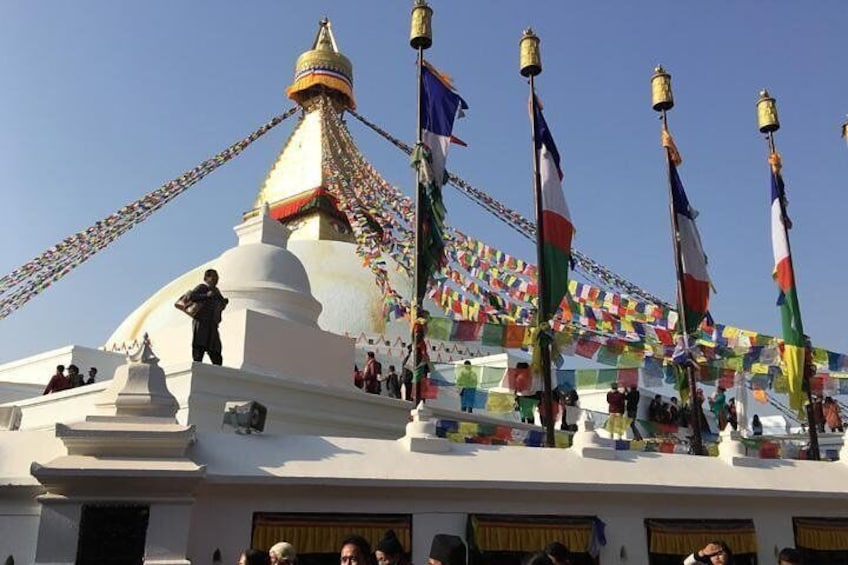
661 97
845 129
767 119
530 57
323 69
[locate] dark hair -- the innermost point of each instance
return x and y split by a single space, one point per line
73 368
60 368
390 544
255 557
789 555
467 362
726 549
538 558
558 551
209 273
391 367
361 544
370 354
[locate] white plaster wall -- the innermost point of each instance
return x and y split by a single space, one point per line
37 369
19 515
58 530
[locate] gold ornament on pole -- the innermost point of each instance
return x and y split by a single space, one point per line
845 130
767 113
531 58
421 30
661 97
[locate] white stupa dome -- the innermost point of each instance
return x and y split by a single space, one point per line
258 274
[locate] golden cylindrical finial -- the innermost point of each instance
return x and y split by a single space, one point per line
767 113
845 129
531 58
661 97
421 31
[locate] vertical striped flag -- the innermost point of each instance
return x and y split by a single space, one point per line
790 311
556 218
696 279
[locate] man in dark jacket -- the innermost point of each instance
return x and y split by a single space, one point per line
205 338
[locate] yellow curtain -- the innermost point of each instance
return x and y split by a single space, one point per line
324 536
821 534
682 538
524 535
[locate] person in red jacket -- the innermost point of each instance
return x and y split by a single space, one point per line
58 382
615 400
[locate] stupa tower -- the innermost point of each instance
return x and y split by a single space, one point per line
296 187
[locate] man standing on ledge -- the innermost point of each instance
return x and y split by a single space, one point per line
205 338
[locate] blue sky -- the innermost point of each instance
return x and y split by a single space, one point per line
103 101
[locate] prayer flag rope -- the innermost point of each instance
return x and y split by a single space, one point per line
35 276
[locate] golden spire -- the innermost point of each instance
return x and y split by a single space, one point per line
323 69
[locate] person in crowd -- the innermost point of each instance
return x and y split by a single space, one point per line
282 553
732 417
685 418
358 382
253 557
466 380
756 425
570 410
58 382
655 409
406 375
537 558
392 383
818 413
715 553
789 556
389 550
615 400
699 405
672 410
355 550
92 376
74 376
831 415
631 401
558 553
718 406
205 337
371 374
447 550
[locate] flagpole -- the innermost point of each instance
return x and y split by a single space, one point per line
420 38
663 100
769 123
531 66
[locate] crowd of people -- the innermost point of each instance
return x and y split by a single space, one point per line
445 549
448 549
61 381
372 380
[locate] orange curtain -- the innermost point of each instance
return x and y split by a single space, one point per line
680 537
528 534
323 534
822 534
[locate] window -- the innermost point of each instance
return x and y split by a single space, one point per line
112 534
823 541
506 540
316 537
670 541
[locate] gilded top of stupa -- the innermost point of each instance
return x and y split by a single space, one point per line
323 68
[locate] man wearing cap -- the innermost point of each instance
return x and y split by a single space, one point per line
447 550
282 553
389 550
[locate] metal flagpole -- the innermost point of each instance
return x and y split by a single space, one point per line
663 100
769 123
420 38
531 66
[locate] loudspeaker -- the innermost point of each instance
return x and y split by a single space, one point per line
245 417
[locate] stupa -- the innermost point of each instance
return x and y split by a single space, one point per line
300 193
